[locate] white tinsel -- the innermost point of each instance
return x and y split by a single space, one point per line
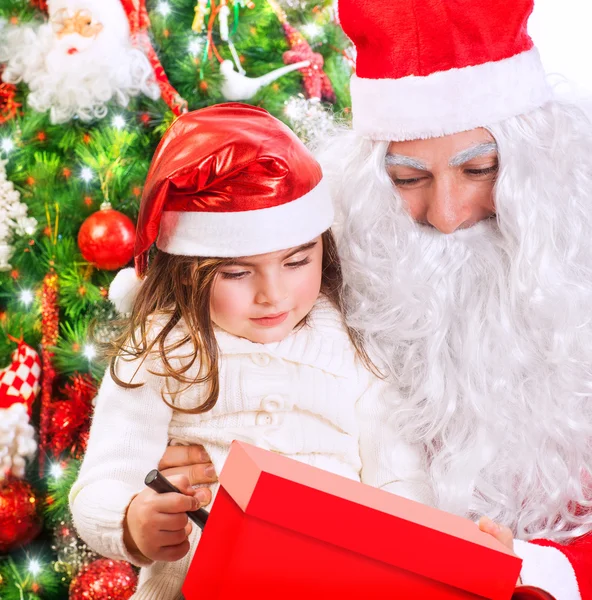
13 218
309 119
17 440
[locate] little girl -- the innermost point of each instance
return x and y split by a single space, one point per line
236 333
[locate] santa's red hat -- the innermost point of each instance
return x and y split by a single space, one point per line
226 181
437 67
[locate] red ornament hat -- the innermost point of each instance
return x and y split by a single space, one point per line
436 67
230 180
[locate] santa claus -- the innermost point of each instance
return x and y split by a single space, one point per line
78 61
465 201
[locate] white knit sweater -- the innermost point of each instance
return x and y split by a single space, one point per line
306 397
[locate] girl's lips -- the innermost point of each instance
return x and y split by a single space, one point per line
271 320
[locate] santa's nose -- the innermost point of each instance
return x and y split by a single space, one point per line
448 209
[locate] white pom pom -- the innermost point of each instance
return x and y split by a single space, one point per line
124 289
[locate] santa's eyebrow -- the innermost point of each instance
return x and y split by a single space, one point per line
474 152
400 160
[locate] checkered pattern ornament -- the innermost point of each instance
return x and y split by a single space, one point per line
19 384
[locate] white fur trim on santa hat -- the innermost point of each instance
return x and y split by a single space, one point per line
247 233
549 569
124 289
448 102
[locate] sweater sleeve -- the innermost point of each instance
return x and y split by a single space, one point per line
128 436
563 570
388 461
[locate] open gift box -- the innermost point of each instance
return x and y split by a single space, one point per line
283 529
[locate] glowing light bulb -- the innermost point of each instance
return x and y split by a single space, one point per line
27 297
164 8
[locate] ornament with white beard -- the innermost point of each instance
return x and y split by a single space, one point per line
78 61
487 333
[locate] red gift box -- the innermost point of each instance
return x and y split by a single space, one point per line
283 529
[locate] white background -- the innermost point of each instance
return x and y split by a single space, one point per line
561 29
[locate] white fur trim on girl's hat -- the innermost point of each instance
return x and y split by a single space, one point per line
124 290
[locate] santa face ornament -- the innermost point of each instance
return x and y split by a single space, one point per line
78 61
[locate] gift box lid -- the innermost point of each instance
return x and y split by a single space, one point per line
380 525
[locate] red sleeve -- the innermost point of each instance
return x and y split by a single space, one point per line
579 554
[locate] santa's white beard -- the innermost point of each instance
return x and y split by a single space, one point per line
80 84
487 333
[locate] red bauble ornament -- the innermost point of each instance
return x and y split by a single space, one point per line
19 518
104 579
107 238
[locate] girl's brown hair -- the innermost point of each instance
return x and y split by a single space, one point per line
179 287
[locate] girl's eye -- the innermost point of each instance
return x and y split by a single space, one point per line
488 171
239 275
299 263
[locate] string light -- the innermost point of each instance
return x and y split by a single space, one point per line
56 471
34 567
86 174
164 8
195 46
118 122
312 31
27 297
7 145
89 351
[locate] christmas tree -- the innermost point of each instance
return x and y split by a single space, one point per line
87 88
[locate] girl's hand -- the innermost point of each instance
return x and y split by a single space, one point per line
156 526
194 463
500 533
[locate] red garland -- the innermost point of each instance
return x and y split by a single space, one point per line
40 4
70 419
316 82
50 320
139 21
8 104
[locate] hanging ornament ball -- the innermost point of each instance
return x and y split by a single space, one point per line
104 579
19 517
107 238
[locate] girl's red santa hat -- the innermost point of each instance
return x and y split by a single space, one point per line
226 181
436 67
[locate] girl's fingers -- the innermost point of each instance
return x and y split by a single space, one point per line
499 532
172 553
174 503
198 474
170 522
181 456
171 538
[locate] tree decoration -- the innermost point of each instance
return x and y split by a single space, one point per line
8 105
72 553
237 86
104 579
316 83
70 418
78 60
106 238
50 321
310 120
139 22
200 16
14 219
19 384
19 514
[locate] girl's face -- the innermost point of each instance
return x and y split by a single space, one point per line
263 297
